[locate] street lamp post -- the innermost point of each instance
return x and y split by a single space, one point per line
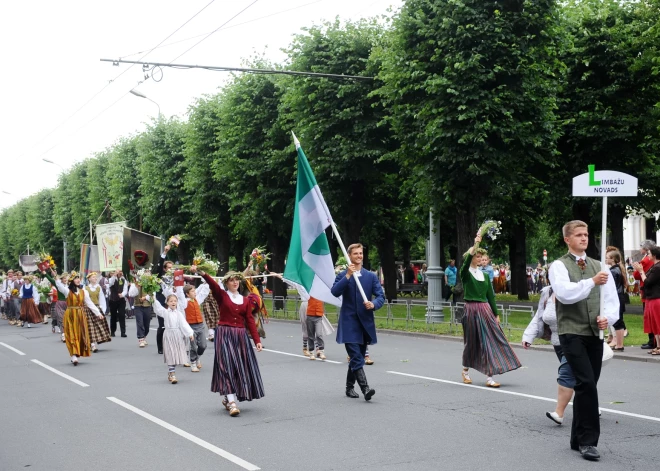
142 95
434 273
65 255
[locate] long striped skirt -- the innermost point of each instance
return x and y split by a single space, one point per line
235 367
99 332
211 312
60 309
30 312
486 348
77 333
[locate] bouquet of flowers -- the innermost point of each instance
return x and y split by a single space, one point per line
490 229
204 263
44 288
259 257
45 261
14 292
341 265
175 240
149 282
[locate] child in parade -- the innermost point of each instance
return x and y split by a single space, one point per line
236 373
29 310
175 351
75 319
143 309
98 326
190 301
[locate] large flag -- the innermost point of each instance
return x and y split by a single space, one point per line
309 263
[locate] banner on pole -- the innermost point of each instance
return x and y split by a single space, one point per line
89 259
600 183
110 248
27 263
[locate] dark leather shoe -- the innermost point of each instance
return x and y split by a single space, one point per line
124 335
112 334
361 378
647 346
589 453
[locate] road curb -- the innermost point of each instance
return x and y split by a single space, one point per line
451 338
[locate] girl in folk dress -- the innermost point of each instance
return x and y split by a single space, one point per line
236 373
175 347
75 320
29 310
97 326
486 348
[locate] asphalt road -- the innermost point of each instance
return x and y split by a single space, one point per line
123 414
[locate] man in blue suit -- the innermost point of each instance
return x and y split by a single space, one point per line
357 327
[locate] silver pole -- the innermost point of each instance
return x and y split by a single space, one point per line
434 273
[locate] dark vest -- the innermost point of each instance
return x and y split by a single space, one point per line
579 318
115 290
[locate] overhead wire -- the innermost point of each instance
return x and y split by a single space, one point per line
110 82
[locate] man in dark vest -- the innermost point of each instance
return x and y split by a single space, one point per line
578 282
118 288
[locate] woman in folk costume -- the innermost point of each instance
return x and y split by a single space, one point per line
486 348
75 319
175 346
30 306
236 373
99 332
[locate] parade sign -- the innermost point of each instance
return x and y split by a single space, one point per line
604 183
110 239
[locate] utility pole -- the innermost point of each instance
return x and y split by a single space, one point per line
434 308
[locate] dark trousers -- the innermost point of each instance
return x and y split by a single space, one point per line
356 352
142 320
118 313
449 293
160 332
585 357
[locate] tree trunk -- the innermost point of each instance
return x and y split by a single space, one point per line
386 250
616 216
222 248
517 251
466 225
238 246
278 246
582 212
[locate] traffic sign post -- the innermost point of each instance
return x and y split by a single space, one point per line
601 184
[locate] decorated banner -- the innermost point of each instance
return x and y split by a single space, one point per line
110 239
28 263
89 259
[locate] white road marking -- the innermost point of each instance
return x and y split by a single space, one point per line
63 375
198 441
12 348
513 393
300 356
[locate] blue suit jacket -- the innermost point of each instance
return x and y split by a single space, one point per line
354 319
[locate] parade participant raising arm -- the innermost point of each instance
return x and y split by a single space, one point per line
575 280
486 348
174 338
75 320
356 328
162 267
190 300
236 373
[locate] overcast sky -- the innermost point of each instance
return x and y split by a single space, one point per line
51 68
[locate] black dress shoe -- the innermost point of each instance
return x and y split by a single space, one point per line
160 352
112 334
589 453
647 346
124 335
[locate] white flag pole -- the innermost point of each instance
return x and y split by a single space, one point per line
348 260
603 248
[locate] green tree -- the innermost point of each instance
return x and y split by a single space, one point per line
123 188
470 88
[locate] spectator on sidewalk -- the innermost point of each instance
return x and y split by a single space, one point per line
450 281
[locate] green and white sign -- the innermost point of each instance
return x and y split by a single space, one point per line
600 183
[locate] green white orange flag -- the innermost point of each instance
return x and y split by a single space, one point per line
309 264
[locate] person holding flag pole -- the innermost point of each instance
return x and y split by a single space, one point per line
311 270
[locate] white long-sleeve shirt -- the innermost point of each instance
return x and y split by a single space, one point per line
201 294
62 288
173 319
113 280
568 292
101 295
35 293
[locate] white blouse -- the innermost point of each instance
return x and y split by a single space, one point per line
62 288
173 319
477 274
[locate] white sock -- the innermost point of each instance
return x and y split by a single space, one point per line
489 379
231 397
93 345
